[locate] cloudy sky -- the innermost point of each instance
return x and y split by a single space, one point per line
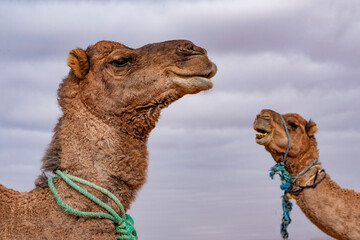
208 179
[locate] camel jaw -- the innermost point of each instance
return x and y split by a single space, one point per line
263 137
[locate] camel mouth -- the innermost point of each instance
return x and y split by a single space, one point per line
194 82
208 74
200 80
263 136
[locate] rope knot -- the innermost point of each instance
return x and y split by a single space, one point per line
126 229
285 177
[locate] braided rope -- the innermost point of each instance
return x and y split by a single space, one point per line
287 184
123 223
288 137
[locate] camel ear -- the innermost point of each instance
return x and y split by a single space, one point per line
311 128
78 62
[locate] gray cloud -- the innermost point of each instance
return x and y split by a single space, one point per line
323 30
207 177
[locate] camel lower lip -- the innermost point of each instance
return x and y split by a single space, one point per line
194 84
206 81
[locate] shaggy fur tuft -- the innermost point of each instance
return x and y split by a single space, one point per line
51 159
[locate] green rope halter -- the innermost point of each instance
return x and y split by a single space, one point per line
123 223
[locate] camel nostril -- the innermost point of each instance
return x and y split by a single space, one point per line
189 49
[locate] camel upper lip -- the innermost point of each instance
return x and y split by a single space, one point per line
208 73
261 130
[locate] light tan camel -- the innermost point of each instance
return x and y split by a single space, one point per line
336 211
110 100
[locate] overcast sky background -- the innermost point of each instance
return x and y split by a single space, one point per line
208 179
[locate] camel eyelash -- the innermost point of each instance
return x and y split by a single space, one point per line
121 62
293 125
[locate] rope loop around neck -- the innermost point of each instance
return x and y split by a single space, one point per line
123 222
306 169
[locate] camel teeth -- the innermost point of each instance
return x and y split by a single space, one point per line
261 135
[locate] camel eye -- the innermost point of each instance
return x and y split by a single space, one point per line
121 62
293 125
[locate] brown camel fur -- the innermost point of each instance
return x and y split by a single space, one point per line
336 211
110 100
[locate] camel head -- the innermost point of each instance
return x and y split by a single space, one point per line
271 133
122 85
114 78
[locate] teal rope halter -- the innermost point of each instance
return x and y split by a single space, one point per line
123 224
287 185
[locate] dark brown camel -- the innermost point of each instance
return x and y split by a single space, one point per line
110 100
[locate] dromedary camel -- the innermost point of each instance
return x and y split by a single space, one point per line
336 211
110 100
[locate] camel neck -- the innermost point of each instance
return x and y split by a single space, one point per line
327 205
98 152
297 167
332 209
296 164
